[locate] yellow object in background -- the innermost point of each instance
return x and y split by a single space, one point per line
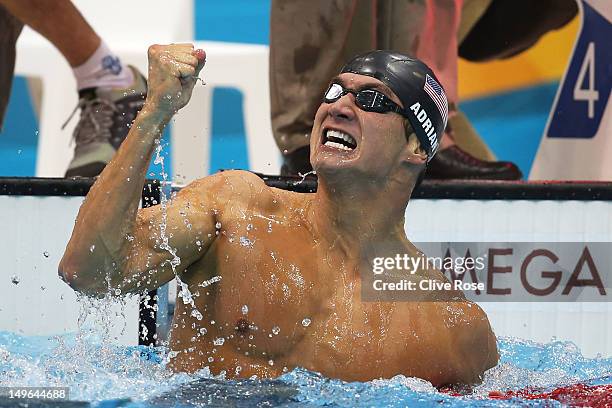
544 62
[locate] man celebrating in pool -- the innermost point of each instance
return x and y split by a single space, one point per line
272 279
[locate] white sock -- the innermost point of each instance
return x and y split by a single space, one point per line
103 70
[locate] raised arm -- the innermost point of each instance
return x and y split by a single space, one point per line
113 244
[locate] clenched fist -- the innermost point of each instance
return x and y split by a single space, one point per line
173 71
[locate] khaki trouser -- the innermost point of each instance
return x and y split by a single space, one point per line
10 28
311 40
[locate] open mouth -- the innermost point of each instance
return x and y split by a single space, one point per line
339 140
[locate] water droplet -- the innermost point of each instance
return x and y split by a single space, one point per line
91 248
117 291
219 341
245 309
306 322
245 242
46 254
211 359
249 227
271 362
276 330
15 280
203 330
218 225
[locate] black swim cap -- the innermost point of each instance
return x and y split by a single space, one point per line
424 100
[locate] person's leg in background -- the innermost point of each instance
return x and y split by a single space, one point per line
429 31
110 94
465 135
11 27
309 43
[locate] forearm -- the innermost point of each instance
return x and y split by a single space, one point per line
99 246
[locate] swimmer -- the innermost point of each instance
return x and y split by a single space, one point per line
275 275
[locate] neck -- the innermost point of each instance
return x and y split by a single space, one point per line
359 216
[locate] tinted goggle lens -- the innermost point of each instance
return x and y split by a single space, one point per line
371 101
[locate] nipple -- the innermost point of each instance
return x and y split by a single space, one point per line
242 325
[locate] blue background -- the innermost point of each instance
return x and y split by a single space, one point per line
511 123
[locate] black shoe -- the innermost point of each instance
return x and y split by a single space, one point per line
454 163
106 117
297 162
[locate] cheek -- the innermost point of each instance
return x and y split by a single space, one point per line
385 135
320 114
382 127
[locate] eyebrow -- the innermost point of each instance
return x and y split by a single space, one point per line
377 86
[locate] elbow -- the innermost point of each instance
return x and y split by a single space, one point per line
73 273
68 271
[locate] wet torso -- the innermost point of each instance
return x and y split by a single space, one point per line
271 295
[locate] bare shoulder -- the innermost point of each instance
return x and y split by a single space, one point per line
234 188
452 340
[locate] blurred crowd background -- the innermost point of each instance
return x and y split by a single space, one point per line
508 101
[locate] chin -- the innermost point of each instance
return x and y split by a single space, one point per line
328 162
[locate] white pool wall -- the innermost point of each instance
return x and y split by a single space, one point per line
35 231
588 324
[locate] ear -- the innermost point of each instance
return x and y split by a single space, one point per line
414 153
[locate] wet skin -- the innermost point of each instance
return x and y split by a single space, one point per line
272 260
284 259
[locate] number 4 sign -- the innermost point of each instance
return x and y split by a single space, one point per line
577 143
589 94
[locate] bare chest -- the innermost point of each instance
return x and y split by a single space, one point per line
273 294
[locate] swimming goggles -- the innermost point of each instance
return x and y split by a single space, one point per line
368 100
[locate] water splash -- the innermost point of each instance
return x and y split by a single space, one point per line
95 371
303 176
184 293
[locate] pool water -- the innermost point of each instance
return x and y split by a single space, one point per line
100 374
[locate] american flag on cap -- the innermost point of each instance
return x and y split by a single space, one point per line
435 91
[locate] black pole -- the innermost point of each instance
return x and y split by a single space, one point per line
147 316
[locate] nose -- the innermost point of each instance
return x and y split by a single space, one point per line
343 108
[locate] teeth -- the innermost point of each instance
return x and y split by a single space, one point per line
337 145
341 135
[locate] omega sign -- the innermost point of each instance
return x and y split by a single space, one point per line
534 271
